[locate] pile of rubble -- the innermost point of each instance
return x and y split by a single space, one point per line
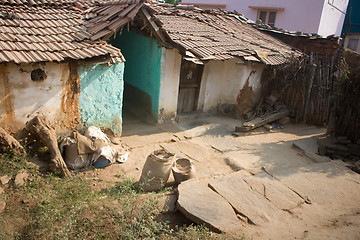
271 114
76 151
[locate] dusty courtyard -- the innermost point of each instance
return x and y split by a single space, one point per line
333 210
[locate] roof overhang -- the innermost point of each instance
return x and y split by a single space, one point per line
279 9
207 4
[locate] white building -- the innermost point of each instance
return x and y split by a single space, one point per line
324 17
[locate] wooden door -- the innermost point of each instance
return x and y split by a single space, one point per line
189 87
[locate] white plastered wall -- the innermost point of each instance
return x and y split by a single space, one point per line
169 84
332 18
28 97
222 81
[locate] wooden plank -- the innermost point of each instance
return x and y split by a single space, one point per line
260 121
153 25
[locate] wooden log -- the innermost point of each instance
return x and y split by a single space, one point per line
9 144
268 127
41 128
310 76
260 121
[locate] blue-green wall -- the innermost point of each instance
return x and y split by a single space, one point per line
143 64
354 18
101 95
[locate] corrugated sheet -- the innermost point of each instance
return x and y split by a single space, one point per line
219 35
36 31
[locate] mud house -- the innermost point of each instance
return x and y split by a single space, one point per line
50 65
182 59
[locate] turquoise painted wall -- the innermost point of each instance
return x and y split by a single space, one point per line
101 95
143 64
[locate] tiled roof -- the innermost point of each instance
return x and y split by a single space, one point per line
44 30
218 35
108 16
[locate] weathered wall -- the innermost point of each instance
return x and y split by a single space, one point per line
142 69
98 89
169 85
222 82
23 98
101 95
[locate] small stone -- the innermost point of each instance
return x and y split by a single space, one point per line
2 206
168 203
21 178
242 218
4 179
1 191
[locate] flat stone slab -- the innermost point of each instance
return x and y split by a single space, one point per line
204 206
309 146
244 199
273 190
326 184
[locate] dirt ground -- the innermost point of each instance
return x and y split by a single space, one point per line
207 140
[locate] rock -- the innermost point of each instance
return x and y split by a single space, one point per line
317 158
274 191
2 201
25 201
244 199
283 121
4 179
330 143
168 203
2 206
313 181
307 145
204 206
242 218
21 178
9 143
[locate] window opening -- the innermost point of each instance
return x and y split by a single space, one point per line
353 44
267 17
38 75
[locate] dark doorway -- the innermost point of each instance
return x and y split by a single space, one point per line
189 87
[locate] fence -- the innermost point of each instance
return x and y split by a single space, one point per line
305 86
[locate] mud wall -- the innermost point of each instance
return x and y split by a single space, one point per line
66 93
101 95
222 82
24 94
169 85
